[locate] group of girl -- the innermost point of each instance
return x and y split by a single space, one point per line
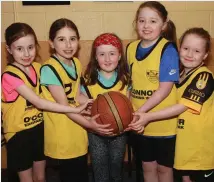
43 105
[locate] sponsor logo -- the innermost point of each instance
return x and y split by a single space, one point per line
207 175
195 98
34 119
152 75
142 94
202 81
172 71
196 92
181 123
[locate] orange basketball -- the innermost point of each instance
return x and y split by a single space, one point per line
115 109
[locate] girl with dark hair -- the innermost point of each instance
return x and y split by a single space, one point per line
22 107
66 141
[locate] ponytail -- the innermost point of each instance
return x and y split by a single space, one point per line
169 32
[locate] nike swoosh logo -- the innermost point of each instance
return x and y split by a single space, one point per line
207 175
172 73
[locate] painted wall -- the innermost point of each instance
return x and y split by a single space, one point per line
93 18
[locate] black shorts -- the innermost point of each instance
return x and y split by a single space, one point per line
197 175
25 147
161 150
75 169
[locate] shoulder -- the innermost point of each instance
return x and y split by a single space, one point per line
170 46
204 74
50 60
203 80
77 64
133 44
9 76
48 71
76 61
36 64
10 70
50 64
170 49
11 81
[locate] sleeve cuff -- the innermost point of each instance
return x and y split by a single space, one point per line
193 107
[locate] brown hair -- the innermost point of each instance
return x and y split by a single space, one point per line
16 31
170 31
58 25
202 34
91 73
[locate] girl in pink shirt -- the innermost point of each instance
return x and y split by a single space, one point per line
22 107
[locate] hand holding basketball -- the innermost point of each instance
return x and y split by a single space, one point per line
115 109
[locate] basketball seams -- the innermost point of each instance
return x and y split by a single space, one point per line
114 112
121 122
100 118
128 105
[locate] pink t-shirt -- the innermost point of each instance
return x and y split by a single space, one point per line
11 83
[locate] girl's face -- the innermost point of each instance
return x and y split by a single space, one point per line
107 57
149 26
192 51
65 44
23 50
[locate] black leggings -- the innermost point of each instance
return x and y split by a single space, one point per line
107 155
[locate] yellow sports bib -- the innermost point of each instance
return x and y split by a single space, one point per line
145 81
64 138
20 114
195 129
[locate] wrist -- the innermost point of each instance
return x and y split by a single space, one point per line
150 117
140 111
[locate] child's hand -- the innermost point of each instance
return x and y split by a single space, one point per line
139 122
135 118
102 129
83 107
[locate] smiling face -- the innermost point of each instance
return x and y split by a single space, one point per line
65 44
192 51
149 25
23 50
108 58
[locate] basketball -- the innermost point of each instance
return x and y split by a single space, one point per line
115 109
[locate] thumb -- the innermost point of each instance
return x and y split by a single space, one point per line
136 113
96 116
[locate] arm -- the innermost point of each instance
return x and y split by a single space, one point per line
146 118
81 98
168 74
43 104
157 97
13 84
59 95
